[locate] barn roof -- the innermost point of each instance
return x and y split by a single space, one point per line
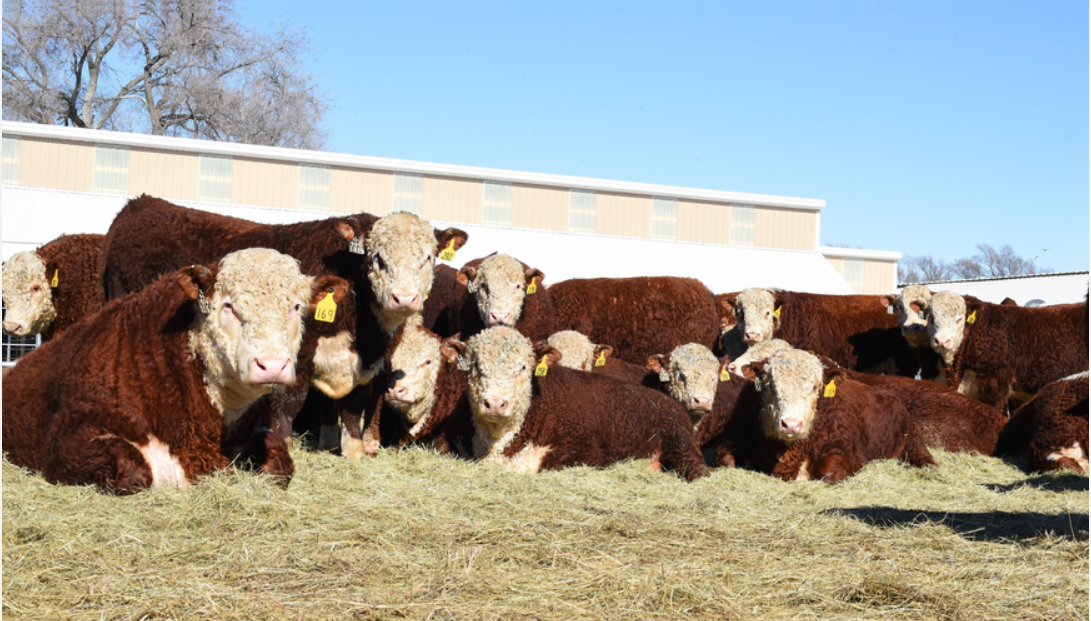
32 217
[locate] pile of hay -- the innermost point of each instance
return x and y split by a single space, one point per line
413 535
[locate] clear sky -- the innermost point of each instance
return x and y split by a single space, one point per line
928 127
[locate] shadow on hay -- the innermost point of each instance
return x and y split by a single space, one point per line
1069 482
993 526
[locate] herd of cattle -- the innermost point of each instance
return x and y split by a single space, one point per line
183 342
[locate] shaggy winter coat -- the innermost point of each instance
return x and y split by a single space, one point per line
639 317
1051 429
78 293
131 374
725 432
1017 349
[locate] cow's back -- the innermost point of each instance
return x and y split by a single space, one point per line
79 289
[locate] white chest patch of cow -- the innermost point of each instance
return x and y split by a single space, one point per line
335 365
968 385
527 460
804 473
1074 452
166 469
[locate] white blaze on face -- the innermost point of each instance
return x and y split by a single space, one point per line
948 320
577 351
694 375
791 386
759 352
337 366
401 252
500 385
249 341
414 369
501 284
754 310
27 295
912 310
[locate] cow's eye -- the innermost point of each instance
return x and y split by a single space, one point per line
35 289
377 263
428 362
429 259
297 307
485 288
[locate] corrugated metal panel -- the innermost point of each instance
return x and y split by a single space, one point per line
57 165
408 193
852 270
451 198
354 190
702 222
664 223
784 228
167 174
111 169
879 276
314 187
628 215
496 203
539 207
1049 288
12 149
743 224
264 182
582 205
214 179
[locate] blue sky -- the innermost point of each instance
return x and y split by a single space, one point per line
928 127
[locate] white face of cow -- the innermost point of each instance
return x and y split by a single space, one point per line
791 384
760 352
249 339
694 374
911 307
501 372
754 310
414 369
947 322
401 252
499 286
577 351
27 295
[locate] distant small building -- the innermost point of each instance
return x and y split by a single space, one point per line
1029 290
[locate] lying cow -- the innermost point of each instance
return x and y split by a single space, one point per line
1051 429
639 317
994 352
53 287
818 424
148 391
579 353
853 330
910 308
530 413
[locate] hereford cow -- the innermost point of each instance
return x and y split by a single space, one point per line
1051 429
501 291
156 387
994 352
853 330
817 424
578 352
388 262
48 290
638 317
530 413
910 306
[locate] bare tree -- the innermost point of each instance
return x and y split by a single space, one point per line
989 263
167 67
922 268
1004 262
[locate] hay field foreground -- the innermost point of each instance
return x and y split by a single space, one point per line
413 535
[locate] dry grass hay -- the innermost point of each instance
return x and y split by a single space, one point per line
413 535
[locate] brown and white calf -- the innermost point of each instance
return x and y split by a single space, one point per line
817 424
503 291
994 352
578 352
1051 429
53 287
910 307
155 389
530 413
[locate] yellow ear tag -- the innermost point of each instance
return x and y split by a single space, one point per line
326 309
776 313
53 283
532 288
831 390
448 253
541 369
972 318
601 360
725 375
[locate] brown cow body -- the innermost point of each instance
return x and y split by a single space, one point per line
1051 429
638 317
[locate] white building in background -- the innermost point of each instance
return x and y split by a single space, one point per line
1030 290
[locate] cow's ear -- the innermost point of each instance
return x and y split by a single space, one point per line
446 236
533 273
324 285
754 369
52 273
725 325
452 347
544 349
658 363
604 351
466 275
889 299
974 307
345 229
195 280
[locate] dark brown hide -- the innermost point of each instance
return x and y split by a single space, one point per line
1054 420
78 293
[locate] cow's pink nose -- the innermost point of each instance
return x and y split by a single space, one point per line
701 403
499 319
397 392
791 426
496 406
14 327
272 370
402 300
753 337
942 343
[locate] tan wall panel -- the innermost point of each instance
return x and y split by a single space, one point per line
353 190
539 207
454 199
879 276
627 215
784 228
163 174
705 222
264 182
838 264
56 165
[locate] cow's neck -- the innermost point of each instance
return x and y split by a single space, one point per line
230 396
492 438
389 320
